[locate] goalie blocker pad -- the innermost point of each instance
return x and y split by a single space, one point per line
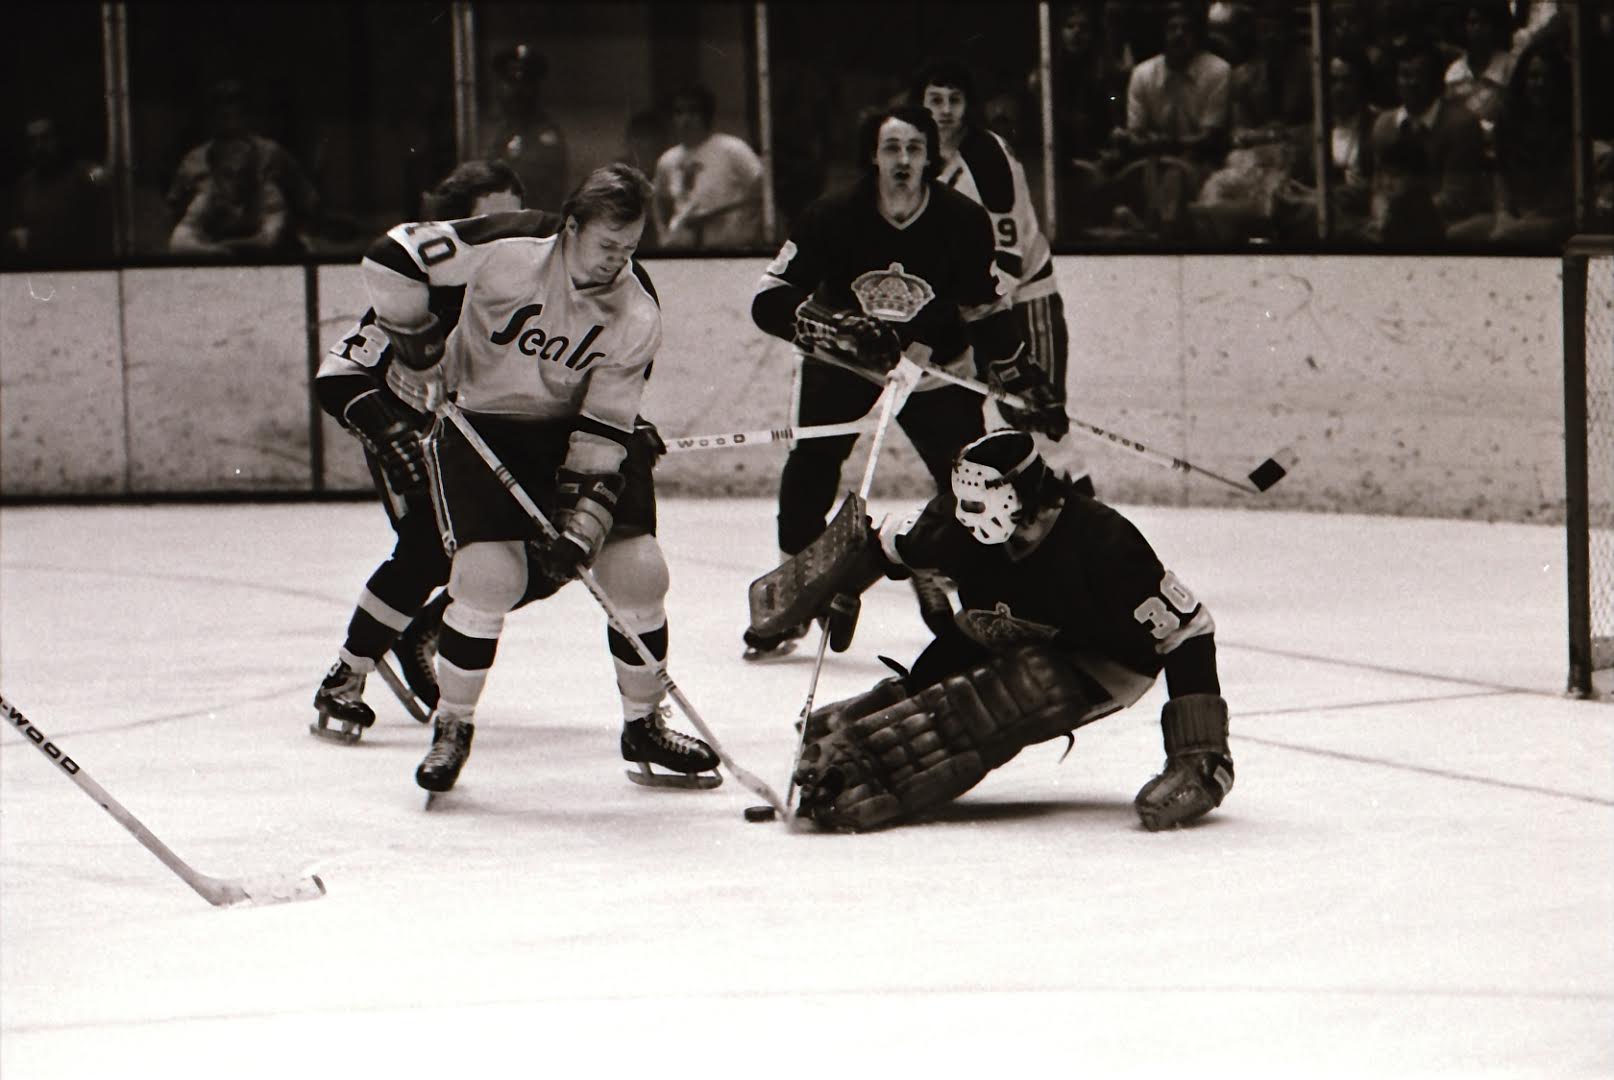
802 587
898 760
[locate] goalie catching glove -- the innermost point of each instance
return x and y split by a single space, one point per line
587 509
1019 376
391 432
901 758
861 343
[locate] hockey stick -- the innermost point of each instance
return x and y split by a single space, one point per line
899 384
451 412
730 440
220 892
1262 477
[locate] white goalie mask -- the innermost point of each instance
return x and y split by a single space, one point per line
986 500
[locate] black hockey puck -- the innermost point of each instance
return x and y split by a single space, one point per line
759 813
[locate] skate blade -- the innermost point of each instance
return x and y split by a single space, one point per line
406 696
346 733
784 648
646 777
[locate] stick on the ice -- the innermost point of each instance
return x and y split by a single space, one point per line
898 385
451 412
220 892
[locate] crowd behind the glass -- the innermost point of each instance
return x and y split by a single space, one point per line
1184 122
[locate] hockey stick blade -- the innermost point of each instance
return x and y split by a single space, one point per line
1273 469
220 892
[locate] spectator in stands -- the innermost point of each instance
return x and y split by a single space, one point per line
1176 123
1270 108
520 131
1479 77
1534 139
240 193
1350 37
1350 161
1451 146
63 208
708 184
1088 105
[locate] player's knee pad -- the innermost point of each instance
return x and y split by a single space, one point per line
489 575
633 574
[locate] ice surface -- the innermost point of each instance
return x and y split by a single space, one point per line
1413 876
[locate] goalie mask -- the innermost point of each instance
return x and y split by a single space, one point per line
996 481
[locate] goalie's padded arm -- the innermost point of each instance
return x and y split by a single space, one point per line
774 309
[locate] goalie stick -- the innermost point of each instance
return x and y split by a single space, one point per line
451 412
220 892
898 385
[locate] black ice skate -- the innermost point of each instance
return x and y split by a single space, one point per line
451 745
649 741
340 701
416 652
767 646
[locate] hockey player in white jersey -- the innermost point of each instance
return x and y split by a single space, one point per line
382 404
549 359
977 163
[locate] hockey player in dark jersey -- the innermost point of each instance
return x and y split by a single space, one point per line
895 262
383 404
1068 616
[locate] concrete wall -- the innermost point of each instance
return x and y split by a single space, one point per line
1405 386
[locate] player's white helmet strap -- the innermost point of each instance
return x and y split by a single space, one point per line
986 501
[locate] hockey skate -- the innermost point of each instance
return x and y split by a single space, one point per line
649 741
416 653
451 745
767 646
1190 786
340 701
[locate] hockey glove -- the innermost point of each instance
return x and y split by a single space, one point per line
649 438
391 433
863 343
1019 376
418 348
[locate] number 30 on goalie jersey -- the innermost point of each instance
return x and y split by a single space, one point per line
1173 615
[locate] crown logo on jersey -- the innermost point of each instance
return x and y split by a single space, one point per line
892 294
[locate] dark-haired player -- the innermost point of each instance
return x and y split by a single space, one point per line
1067 616
896 261
384 405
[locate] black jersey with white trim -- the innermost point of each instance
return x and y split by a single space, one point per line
1093 588
838 237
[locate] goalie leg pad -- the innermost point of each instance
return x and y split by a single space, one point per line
927 749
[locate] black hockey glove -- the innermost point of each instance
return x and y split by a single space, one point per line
650 438
391 432
1019 376
418 348
863 343
551 563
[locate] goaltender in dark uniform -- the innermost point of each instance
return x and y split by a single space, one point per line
896 263
1067 616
